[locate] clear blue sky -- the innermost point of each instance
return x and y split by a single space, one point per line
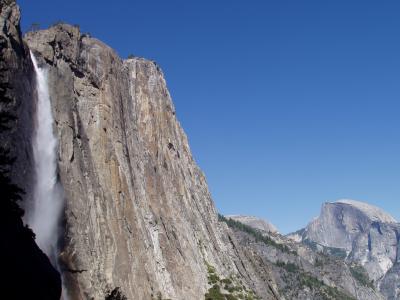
287 104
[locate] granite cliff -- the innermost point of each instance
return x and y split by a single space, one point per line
138 214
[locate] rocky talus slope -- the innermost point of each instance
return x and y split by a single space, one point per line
27 272
138 213
359 233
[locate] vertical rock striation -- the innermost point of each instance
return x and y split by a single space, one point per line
138 213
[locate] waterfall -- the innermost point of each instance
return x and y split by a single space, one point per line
44 218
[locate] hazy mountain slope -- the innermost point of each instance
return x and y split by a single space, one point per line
254 222
360 233
299 271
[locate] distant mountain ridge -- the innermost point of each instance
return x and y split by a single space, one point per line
355 232
300 271
254 222
360 233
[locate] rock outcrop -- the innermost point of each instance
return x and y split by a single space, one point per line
138 213
27 272
360 233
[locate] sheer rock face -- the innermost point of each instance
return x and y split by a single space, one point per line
369 236
138 213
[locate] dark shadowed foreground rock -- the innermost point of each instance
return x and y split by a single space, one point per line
26 270
138 215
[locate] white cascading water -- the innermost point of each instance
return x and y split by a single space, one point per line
44 218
